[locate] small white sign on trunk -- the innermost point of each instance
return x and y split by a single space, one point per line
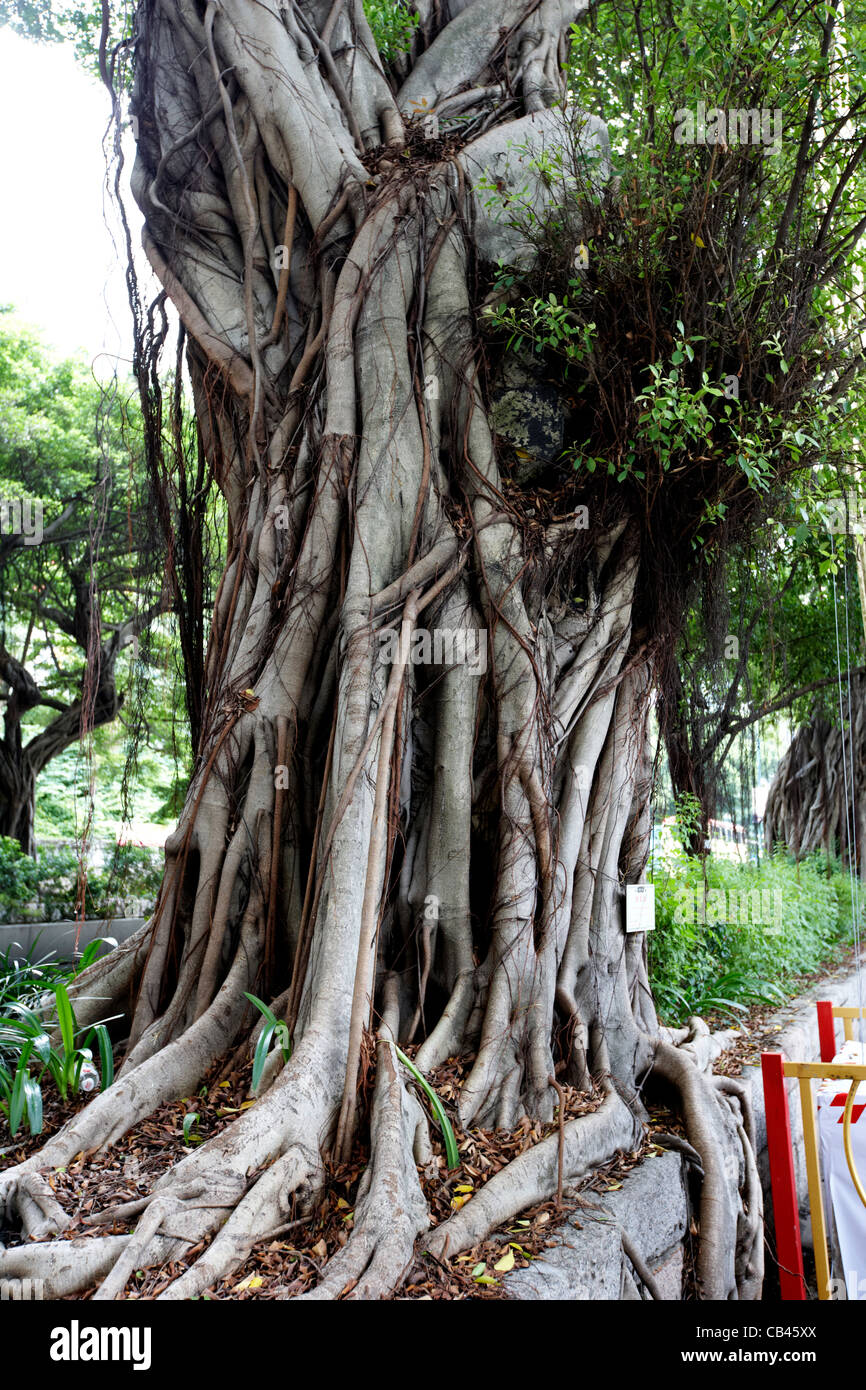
640 907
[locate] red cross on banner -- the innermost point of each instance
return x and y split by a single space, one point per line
856 1112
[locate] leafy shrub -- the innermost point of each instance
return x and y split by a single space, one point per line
392 23
26 1043
712 951
24 978
45 889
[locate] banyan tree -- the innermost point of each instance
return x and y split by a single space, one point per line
458 378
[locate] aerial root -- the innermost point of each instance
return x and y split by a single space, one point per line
749 1265
588 1141
721 1140
391 1212
632 1253
449 1033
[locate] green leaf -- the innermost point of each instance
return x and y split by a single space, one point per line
261 1054
65 1018
106 1055
451 1151
276 1029
263 1008
33 1097
18 1099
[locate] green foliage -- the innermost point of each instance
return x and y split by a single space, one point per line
729 961
46 889
75 449
274 1031
63 21
707 342
544 323
26 1043
393 24
452 1153
24 979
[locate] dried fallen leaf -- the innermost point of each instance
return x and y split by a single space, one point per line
507 1262
253 1281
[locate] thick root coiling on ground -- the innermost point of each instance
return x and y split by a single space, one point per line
730 1254
589 1141
63 1266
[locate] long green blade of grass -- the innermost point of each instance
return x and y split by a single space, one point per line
261 1054
33 1098
65 1019
106 1055
451 1151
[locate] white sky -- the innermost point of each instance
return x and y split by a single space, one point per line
57 262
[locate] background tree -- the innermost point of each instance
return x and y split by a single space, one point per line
71 586
755 644
363 250
816 798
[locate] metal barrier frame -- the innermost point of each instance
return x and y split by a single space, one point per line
775 1070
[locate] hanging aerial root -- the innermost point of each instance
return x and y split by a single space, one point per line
531 1178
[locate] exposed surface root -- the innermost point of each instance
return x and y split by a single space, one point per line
65 1266
391 1210
532 1177
715 1135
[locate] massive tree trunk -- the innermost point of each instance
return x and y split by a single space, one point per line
385 830
817 799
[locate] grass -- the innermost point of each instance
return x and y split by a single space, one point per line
729 936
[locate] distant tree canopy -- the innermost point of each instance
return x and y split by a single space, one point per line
82 571
759 642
